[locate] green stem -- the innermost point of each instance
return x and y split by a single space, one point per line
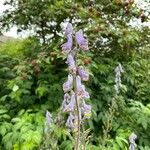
77 146
108 126
83 130
77 111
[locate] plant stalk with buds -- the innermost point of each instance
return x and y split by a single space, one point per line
75 94
113 106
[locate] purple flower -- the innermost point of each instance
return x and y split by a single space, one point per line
71 105
82 42
69 29
70 121
86 110
66 47
132 143
70 61
83 74
81 93
85 95
66 100
67 86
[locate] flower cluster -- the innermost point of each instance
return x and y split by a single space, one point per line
118 71
75 94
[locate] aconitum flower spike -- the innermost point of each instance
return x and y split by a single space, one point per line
69 29
86 110
71 63
74 90
66 47
83 74
70 107
70 121
82 42
67 86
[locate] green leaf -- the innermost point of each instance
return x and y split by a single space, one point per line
2 111
15 88
41 91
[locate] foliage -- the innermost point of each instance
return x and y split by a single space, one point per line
24 131
107 23
28 88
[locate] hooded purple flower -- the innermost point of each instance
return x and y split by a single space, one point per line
71 105
82 42
81 93
83 74
85 95
67 86
66 47
70 61
86 110
66 100
70 121
69 29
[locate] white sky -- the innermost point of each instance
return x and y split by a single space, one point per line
13 31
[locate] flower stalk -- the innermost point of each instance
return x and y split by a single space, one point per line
77 143
75 93
113 106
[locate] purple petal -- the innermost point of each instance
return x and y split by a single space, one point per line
70 121
71 62
82 42
86 110
69 29
71 105
83 74
66 47
81 92
66 100
67 86
85 95
78 82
